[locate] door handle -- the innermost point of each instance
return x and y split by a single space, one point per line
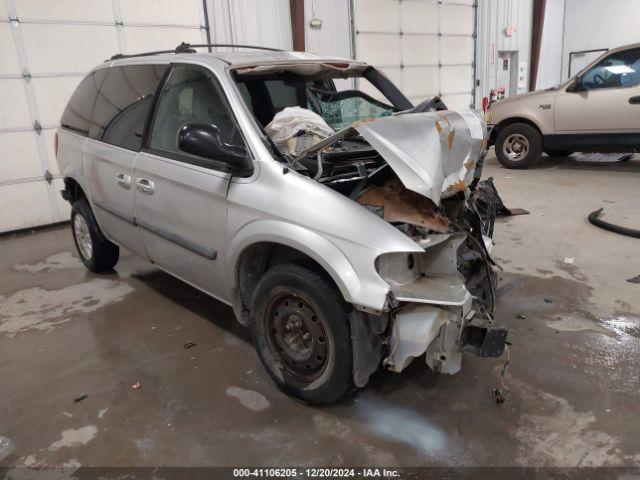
635 100
144 185
124 180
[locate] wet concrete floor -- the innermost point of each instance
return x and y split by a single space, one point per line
573 387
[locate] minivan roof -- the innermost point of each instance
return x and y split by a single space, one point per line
237 59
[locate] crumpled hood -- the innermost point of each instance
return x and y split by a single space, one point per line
434 154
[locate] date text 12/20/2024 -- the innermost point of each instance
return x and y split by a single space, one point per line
315 473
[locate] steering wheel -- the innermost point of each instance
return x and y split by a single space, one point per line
598 79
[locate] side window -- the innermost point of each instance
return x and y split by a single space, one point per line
123 103
77 114
619 69
192 94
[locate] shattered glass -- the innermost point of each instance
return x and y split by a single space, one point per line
342 109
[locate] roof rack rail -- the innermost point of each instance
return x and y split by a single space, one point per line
189 48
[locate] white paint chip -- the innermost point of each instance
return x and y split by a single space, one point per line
74 438
101 413
249 398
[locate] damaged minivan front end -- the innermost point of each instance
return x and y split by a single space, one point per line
420 172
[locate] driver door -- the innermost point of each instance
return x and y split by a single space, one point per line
609 100
180 199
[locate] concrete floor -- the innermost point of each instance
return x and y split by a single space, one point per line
573 386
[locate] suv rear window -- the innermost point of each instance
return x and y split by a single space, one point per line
112 104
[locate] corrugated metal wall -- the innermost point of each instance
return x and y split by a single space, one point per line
493 17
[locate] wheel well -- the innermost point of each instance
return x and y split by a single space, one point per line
255 260
510 121
72 190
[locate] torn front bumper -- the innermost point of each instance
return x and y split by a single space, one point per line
438 316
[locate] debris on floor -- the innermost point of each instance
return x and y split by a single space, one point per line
548 300
521 316
190 344
635 279
594 219
136 386
80 397
601 157
568 260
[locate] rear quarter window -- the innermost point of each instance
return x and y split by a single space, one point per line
123 104
77 114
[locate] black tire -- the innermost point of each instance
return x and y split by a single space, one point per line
325 379
558 153
104 254
509 135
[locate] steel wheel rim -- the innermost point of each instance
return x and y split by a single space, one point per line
516 147
296 336
83 237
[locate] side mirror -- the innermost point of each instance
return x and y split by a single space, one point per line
576 86
203 140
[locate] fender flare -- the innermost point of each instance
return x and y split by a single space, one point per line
354 288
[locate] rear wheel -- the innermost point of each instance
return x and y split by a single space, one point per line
300 328
558 153
96 252
518 146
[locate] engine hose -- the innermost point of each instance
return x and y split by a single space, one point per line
594 220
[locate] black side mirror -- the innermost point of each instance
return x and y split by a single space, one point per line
203 140
577 86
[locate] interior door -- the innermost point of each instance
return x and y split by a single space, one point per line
609 98
180 199
118 117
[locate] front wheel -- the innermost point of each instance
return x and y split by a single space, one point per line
96 252
518 146
300 328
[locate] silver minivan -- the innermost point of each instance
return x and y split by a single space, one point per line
346 227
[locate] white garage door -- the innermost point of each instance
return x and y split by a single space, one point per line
426 47
45 50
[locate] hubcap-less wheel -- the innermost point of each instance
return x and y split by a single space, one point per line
297 336
83 237
516 147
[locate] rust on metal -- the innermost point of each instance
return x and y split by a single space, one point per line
402 205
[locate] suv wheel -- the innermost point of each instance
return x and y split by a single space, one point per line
300 328
558 153
518 146
96 252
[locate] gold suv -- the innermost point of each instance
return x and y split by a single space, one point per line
596 110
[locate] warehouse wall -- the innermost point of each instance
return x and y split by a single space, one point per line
493 17
581 25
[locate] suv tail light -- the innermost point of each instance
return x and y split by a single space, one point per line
55 144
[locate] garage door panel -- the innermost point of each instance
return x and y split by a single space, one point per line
49 134
3 11
9 64
459 101
12 93
63 206
65 10
425 54
48 47
456 79
145 39
161 12
419 17
377 15
24 205
456 50
378 49
52 95
19 156
456 19
421 82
